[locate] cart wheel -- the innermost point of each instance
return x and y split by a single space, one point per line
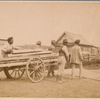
1 69
35 69
13 72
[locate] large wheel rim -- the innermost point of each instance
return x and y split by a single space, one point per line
15 72
35 69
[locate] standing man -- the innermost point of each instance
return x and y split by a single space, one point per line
51 68
76 59
63 58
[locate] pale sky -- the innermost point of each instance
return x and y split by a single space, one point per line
29 22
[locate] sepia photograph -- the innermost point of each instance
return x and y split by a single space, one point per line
49 49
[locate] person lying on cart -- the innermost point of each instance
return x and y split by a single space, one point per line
8 48
52 67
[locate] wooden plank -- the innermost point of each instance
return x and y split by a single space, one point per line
25 51
27 57
28 54
24 63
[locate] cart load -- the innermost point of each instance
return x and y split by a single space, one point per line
33 62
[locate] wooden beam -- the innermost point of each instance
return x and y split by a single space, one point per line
46 56
24 63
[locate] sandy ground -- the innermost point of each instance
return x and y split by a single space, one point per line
49 88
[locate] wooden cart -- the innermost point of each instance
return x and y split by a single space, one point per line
34 63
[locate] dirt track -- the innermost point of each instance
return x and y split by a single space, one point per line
48 88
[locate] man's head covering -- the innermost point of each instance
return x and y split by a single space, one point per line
52 41
65 41
10 38
38 43
77 41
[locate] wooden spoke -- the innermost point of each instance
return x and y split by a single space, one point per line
21 70
37 75
33 76
18 73
40 69
40 65
38 62
14 73
31 73
34 61
30 68
32 65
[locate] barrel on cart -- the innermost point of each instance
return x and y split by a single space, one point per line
33 62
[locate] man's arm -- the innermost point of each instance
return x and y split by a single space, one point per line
80 53
65 50
4 48
17 48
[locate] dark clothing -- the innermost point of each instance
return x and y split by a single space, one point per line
51 67
51 70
